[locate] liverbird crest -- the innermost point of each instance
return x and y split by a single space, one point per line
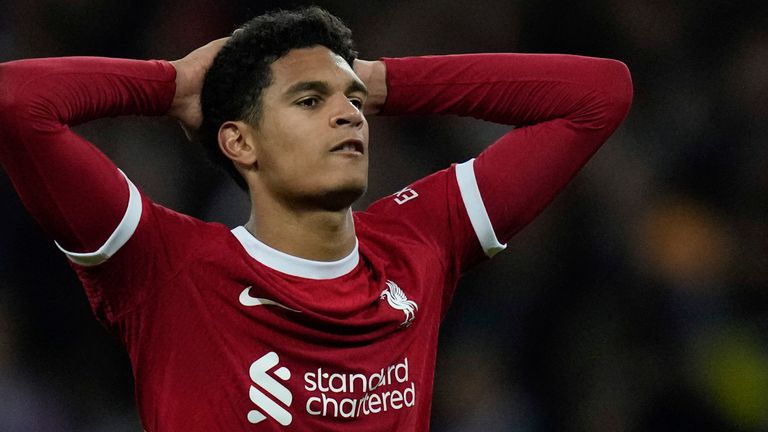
397 299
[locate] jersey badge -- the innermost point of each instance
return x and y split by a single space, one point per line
397 299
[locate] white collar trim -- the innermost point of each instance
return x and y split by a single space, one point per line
293 265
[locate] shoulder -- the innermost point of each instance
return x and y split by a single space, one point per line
165 239
429 193
389 235
177 228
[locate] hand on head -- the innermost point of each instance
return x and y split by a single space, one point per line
190 72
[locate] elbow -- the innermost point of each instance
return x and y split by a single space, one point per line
609 102
618 90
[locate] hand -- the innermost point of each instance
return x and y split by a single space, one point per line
190 72
374 76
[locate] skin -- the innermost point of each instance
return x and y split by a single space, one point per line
301 181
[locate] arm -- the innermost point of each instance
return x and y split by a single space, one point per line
565 107
374 75
69 186
76 193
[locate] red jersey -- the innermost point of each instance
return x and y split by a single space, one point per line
226 333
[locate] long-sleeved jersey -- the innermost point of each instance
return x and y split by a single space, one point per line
224 332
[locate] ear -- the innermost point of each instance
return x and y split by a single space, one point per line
236 142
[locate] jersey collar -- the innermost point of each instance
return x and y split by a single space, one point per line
293 265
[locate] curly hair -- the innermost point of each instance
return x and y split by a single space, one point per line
233 86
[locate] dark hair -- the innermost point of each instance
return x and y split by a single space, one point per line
241 70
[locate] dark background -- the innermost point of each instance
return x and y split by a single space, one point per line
638 301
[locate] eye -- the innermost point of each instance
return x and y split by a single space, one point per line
308 102
357 103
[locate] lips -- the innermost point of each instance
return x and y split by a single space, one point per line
349 146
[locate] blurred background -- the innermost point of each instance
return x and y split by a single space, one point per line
638 301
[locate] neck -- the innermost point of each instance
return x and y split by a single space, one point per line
318 235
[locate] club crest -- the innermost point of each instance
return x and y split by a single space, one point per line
397 299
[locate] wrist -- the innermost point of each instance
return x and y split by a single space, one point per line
374 76
179 98
185 106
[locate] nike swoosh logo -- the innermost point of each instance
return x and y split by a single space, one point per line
247 300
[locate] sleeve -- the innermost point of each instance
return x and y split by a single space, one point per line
564 108
72 189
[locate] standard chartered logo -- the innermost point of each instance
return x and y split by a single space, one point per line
261 378
356 394
329 393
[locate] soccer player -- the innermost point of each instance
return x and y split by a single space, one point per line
309 317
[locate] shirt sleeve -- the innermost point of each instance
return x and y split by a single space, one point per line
70 187
563 106
79 197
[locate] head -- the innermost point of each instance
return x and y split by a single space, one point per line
282 109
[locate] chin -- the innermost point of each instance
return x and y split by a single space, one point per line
339 198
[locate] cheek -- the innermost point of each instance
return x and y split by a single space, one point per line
295 154
294 144
282 139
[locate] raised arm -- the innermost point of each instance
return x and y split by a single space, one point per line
76 194
71 188
564 108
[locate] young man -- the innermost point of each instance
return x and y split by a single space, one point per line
310 316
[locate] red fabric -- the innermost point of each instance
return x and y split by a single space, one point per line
172 296
67 184
565 106
171 293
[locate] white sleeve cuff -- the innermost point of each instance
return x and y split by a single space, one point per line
119 237
478 216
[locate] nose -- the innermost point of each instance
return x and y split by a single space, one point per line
347 114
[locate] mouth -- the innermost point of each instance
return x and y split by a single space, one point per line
350 146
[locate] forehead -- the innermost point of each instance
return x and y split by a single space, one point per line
316 63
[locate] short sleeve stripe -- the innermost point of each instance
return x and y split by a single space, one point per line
119 237
478 216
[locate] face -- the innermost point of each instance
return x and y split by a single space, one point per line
312 138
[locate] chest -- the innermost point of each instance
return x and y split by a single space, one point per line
281 350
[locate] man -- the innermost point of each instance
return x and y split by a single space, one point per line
310 316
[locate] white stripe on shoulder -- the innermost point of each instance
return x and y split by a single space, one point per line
478 216
119 237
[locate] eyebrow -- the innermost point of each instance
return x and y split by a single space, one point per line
322 87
